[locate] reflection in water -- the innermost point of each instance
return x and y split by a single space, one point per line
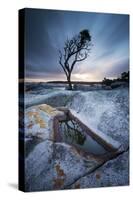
72 133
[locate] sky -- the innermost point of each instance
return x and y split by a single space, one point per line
47 30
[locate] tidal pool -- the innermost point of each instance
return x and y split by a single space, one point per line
72 133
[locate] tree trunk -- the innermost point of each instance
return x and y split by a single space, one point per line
69 82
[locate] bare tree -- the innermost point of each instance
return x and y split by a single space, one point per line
75 50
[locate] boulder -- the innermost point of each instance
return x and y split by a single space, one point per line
70 164
54 99
39 167
84 87
39 121
113 173
52 166
104 111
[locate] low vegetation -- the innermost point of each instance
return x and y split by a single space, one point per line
124 78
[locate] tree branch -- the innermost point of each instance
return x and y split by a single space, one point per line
78 60
75 50
60 62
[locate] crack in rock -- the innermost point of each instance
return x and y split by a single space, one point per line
95 172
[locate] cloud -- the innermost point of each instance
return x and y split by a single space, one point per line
47 30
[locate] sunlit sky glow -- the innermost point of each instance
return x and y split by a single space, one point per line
47 30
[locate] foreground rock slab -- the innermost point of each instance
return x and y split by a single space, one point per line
52 166
105 111
113 173
49 164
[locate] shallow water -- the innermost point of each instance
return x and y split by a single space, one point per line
72 133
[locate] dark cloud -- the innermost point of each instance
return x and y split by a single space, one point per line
47 30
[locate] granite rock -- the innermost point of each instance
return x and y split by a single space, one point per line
115 172
53 166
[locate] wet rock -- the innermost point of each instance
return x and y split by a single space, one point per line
113 173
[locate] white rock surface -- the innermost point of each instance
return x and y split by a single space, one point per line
54 98
113 173
52 166
39 167
106 112
57 165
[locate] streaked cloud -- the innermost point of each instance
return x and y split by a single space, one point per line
47 30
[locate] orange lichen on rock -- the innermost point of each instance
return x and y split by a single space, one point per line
59 171
58 183
38 119
48 109
32 114
77 186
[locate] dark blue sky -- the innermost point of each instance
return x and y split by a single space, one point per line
47 30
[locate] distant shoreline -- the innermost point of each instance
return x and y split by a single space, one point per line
65 82
76 82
